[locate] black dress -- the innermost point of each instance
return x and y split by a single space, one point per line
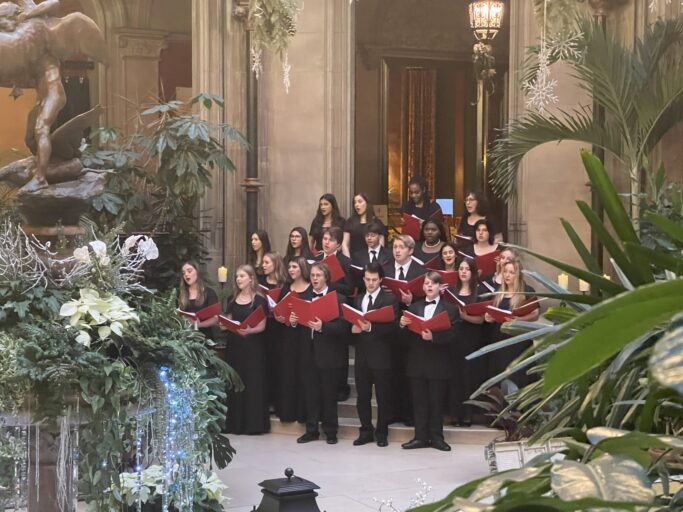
424 212
273 335
290 404
194 305
317 231
467 375
248 409
423 256
500 359
467 229
356 229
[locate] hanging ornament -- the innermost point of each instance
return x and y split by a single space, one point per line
541 90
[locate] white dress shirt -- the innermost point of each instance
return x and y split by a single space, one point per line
430 308
374 295
405 266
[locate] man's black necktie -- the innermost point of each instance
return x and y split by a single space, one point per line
427 303
401 275
369 302
373 259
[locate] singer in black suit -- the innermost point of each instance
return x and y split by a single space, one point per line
331 242
429 367
402 267
324 349
373 357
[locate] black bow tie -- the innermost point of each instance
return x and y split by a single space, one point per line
318 294
427 303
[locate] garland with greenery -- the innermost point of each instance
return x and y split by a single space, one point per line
92 354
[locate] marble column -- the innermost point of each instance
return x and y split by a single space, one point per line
218 61
551 178
136 73
306 134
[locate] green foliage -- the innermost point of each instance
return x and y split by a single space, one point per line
159 175
273 24
17 304
640 91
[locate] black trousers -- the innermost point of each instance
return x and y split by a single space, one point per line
428 400
320 393
402 400
365 378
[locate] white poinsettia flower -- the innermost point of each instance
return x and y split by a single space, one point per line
130 243
82 254
103 332
83 338
212 485
148 248
69 308
99 248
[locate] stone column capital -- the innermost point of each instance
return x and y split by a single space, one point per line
140 44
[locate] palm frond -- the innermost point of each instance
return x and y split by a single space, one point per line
534 129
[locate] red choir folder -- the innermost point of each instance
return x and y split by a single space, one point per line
449 277
273 293
202 314
412 225
336 270
437 323
284 307
384 315
414 286
487 263
504 315
255 318
474 309
433 264
326 308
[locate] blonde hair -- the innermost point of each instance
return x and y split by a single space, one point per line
407 240
279 272
254 287
184 294
517 288
499 264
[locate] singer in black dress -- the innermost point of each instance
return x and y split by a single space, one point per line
512 294
476 208
194 296
469 337
290 390
327 216
248 409
356 224
419 202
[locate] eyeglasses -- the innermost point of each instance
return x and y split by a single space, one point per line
470 200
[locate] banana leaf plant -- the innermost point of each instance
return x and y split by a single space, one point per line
610 382
640 89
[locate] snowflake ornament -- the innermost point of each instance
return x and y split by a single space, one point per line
565 46
541 91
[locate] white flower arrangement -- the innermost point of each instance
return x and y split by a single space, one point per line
151 485
108 313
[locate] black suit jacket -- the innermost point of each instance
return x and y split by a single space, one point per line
373 349
362 258
329 347
346 284
430 359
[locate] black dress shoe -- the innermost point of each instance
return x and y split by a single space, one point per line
442 445
308 437
415 443
382 442
331 439
363 439
466 423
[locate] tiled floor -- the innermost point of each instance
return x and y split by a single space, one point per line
350 477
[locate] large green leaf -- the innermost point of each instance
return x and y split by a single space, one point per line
597 282
611 202
666 361
608 327
608 478
657 258
666 225
587 258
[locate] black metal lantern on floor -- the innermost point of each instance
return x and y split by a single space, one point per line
290 494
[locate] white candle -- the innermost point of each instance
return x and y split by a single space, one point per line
222 274
563 280
584 287
605 276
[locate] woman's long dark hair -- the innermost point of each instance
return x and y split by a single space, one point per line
305 248
489 228
474 280
482 203
336 215
265 243
443 236
184 293
369 211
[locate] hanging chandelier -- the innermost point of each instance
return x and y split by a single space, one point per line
486 17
